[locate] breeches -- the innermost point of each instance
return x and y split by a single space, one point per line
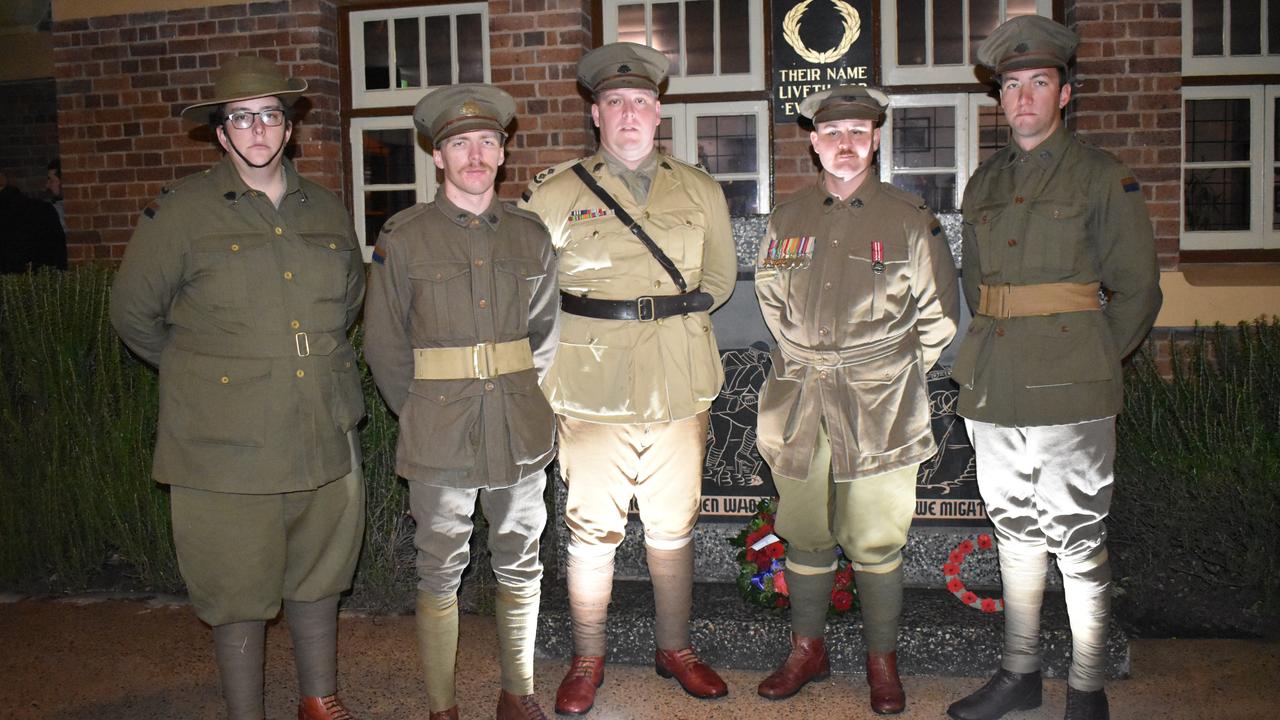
868 517
516 517
605 466
241 554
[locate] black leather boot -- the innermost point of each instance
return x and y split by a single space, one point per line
1005 692
1083 705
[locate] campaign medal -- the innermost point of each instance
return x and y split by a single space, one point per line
877 257
789 253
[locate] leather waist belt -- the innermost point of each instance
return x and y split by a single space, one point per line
645 309
1006 301
481 361
302 344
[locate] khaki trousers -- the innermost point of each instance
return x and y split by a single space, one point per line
606 465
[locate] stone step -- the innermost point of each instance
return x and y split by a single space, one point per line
940 636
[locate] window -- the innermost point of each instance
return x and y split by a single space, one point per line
1227 37
930 42
729 139
1230 172
713 45
931 144
398 55
391 169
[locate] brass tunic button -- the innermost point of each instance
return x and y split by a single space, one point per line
288 274
295 324
822 331
1019 199
1000 332
835 243
279 231
299 373
705 329
483 303
479 263
235 247
224 379
440 398
488 387
1012 242
333 246
822 375
346 364
657 283
826 285
474 223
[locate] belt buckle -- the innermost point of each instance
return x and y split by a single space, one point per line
482 360
1006 291
641 304
301 344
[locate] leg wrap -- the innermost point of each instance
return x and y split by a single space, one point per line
314 628
1022 572
880 596
1087 586
671 570
517 618
238 648
437 620
589 575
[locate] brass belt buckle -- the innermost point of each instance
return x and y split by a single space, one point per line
482 360
641 304
301 344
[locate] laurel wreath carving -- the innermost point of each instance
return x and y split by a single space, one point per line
791 32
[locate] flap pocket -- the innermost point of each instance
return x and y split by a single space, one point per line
438 271
219 400
521 267
229 242
330 240
1064 350
881 370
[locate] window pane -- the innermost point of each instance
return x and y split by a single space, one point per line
1246 27
948 33
663 137
666 33
631 24
1217 199
938 191
1275 200
735 38
699 39
376 73
984 16
388 156
911 32
1014 8
727 143
1206 27
993 131
439 62
924 137
1217 130
742 196
408 74
1273 27
379 206
470 49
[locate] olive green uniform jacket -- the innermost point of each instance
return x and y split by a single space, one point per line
854 344
444 277
244 307
1061 212
629 371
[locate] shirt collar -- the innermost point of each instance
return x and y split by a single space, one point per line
233 187
491 216
1045 155
647 167
870 187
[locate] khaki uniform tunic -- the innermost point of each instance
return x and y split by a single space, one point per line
1063 212
244 307
854 344
614 371
444 277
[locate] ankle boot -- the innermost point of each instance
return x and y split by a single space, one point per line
1083 705
807 662
887 695
519 707
577 692
1005 692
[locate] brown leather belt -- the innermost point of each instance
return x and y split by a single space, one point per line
1006 301
645 308
481 361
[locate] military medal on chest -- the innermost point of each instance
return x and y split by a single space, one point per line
877 257
789 253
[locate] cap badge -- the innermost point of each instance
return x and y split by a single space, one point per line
624 68
469 108
1021 47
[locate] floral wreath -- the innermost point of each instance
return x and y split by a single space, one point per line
951 571
762 577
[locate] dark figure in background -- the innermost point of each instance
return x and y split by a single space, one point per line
30 234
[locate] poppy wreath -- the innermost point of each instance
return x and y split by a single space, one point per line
951 573
762 577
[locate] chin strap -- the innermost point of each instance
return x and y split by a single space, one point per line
251 164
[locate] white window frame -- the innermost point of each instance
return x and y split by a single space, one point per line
684 139
966 142
424 170
1261 163
362 97
1225 64
716 82
929 73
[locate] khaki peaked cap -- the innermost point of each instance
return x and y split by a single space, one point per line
462 108
245 78
623 65
845 102
1028 41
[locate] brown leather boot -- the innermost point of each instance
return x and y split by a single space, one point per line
519 707
577 691
696 677
887 695
328 707
807 662
450 714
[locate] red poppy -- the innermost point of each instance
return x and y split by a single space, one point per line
763 561
984 541
956 557
950 569
954 585
774 550
968 598
781 602
841 600
966 547
780 582
752 554
988 605
844 576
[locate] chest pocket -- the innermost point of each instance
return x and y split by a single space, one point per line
1055 234
680 233
515 280
988 225
888 287
223 267
442 301
328 255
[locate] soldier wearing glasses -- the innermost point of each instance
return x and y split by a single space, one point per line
239 284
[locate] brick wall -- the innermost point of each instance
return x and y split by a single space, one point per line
122 79
1129 98
28 132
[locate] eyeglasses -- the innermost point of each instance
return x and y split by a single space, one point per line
243 119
